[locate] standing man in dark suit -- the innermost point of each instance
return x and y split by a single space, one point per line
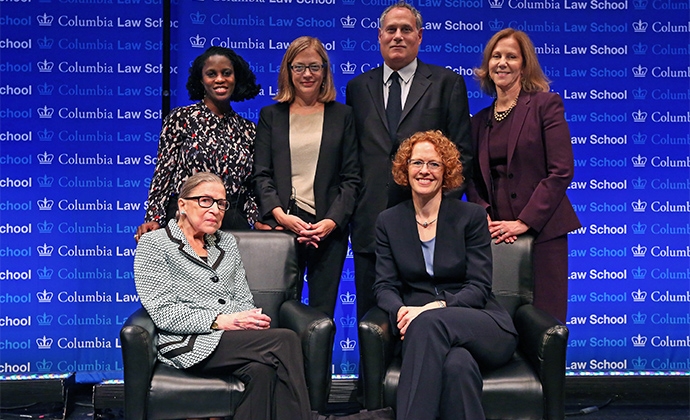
425 97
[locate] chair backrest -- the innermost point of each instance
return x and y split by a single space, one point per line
513 283
270 261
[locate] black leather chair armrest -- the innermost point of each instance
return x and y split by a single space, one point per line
138 336
316 331
375 335
544 340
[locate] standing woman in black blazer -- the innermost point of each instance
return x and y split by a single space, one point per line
306 168
433 277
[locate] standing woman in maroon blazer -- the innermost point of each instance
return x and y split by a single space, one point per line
524 162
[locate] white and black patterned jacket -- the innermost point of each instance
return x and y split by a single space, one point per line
183 294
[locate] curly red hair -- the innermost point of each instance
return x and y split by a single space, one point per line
450 156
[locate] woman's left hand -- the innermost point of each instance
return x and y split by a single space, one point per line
316 232
507 230
252 319
407 314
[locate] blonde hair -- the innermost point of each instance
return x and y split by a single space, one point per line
286 89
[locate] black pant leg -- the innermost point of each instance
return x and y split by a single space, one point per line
365 275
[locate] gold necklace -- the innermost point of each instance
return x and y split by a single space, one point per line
500 116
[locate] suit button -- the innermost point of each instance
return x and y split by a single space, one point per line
221 301
513 195
510 176
215 279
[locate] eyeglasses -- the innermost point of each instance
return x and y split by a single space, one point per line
314 68
207 202
419 164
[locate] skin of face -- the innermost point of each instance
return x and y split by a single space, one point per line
505 65
399 38
198 220
218 79
307 84
425 182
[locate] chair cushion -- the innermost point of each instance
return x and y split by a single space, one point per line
176 394
512 391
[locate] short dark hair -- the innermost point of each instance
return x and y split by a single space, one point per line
245 80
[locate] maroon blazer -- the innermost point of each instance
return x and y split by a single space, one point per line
540 165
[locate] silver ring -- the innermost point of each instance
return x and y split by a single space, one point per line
501 231
135 236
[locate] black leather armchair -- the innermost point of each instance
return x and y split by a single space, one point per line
530 386
154 390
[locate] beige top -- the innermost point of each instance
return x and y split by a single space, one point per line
305 142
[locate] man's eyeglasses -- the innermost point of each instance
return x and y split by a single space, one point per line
299 68
419 164
207 202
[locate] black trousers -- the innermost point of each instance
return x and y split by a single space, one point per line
443 352
270 364
365 275
323 266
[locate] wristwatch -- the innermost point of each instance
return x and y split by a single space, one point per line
441 303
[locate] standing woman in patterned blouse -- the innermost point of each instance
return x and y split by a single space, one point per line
208 136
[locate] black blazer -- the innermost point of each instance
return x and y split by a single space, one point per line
337 171
462 261
437 101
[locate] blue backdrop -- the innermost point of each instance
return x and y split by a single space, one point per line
80 113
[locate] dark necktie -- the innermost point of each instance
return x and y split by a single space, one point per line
394 108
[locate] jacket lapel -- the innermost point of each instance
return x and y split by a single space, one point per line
521 112
420 84
375 88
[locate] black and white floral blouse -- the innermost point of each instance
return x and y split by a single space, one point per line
194 139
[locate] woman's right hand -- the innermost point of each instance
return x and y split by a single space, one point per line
146 227
252 319
289 221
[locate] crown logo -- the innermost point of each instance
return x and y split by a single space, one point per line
45 227
639 340
640 26
45 89
44 365
348 44
496 25
639 138
348 321
639 161
45 181
639 116
639 363
348 298
45 135
44 319
639 228
44 20
45 250
639 273
44 343
44 296
639 71
348 275
639 318
640 4
639 250
639 93
638 295
350 254
348 367
639 206
349 2
197 41
197 18
45 158
45 112
347 344
348 68
348 22
343 91
45 66
45 273
45 204
639 183
496 4
45 43
640 48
